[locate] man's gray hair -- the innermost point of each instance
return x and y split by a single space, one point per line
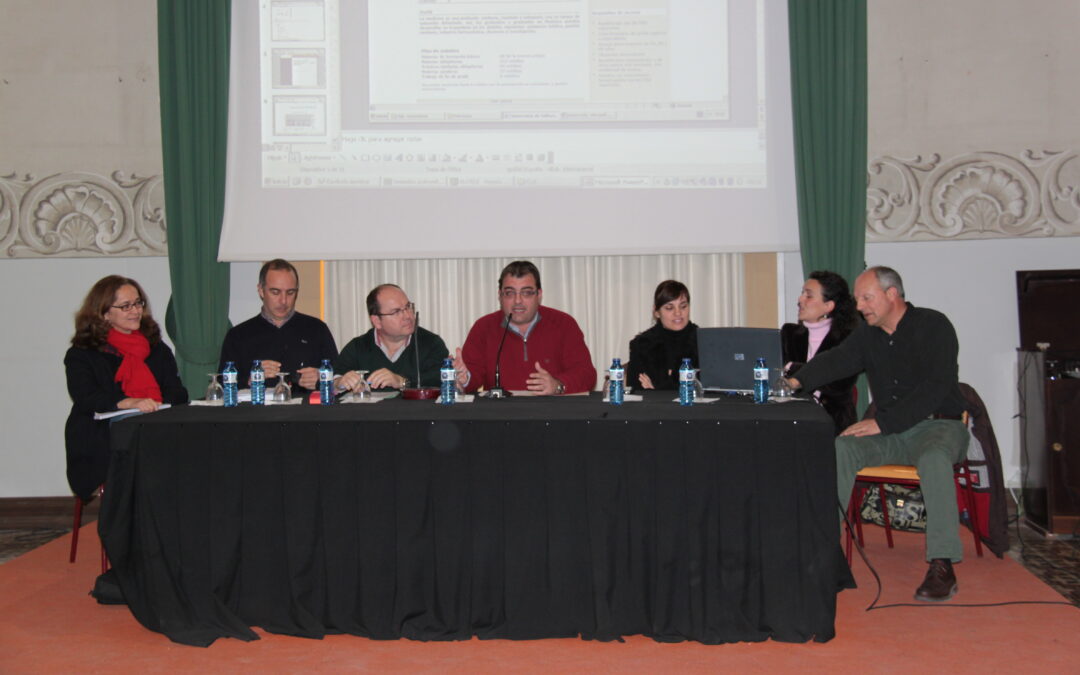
888 278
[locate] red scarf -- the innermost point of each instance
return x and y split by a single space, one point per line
133 374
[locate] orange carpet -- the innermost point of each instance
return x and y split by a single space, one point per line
48 623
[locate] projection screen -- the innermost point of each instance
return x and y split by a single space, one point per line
475 128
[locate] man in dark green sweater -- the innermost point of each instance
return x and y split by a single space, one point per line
396 353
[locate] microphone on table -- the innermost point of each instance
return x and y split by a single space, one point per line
416 346
419 392
497 391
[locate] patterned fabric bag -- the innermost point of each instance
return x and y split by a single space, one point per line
906 508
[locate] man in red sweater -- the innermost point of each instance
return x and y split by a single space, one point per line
544 351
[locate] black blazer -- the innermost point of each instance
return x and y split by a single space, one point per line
836 397
92 386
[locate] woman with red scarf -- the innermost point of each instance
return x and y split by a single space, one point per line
117 361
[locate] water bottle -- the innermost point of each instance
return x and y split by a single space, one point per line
326 383
686 383
257 380
447 382
228 384
616 382
761 381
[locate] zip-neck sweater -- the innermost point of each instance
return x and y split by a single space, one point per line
555 341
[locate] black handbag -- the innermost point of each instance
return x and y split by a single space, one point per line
907 511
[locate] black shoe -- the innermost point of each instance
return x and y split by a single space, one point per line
939 584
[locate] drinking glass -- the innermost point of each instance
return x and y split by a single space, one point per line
699 388
363 393
282 391
780 386
214 392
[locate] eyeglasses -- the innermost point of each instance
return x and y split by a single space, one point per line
410 308
526 293
128 306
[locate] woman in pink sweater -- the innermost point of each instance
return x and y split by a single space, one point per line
826 316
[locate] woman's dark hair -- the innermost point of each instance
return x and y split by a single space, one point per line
91 328
667 291
834 288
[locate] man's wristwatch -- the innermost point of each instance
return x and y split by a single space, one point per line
560 388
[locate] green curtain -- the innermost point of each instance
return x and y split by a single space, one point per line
193 66
828 100
828 92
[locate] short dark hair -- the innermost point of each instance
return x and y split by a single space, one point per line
518 269
277 264
373 298
667 291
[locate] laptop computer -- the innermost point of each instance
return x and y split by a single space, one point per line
727 356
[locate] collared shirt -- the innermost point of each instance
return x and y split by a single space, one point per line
362 353
528 329
524 336
393 357
266 315
913 372
556 343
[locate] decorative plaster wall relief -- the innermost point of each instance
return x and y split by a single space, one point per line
77 214
980 195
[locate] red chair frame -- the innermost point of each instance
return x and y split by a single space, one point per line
77 524
961 475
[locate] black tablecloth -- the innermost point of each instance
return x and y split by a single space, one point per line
524 518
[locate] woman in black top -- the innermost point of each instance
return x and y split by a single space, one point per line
826 316
117 361
657 353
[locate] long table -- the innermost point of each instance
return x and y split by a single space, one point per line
523 518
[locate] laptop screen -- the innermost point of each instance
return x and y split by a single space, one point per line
727 356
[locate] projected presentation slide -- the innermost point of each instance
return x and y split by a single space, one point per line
458 94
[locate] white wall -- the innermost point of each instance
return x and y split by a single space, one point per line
79 95
243 298
39 303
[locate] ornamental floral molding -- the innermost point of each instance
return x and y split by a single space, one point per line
78 214
980 195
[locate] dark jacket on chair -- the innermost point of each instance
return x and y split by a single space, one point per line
994 522
990 495
836 397
92 385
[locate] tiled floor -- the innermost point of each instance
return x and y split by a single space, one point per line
1055 561
16 542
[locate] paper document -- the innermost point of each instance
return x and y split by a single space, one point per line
121 413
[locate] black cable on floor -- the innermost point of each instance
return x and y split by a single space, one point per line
988 604
877 579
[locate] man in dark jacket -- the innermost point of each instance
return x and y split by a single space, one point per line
909 356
